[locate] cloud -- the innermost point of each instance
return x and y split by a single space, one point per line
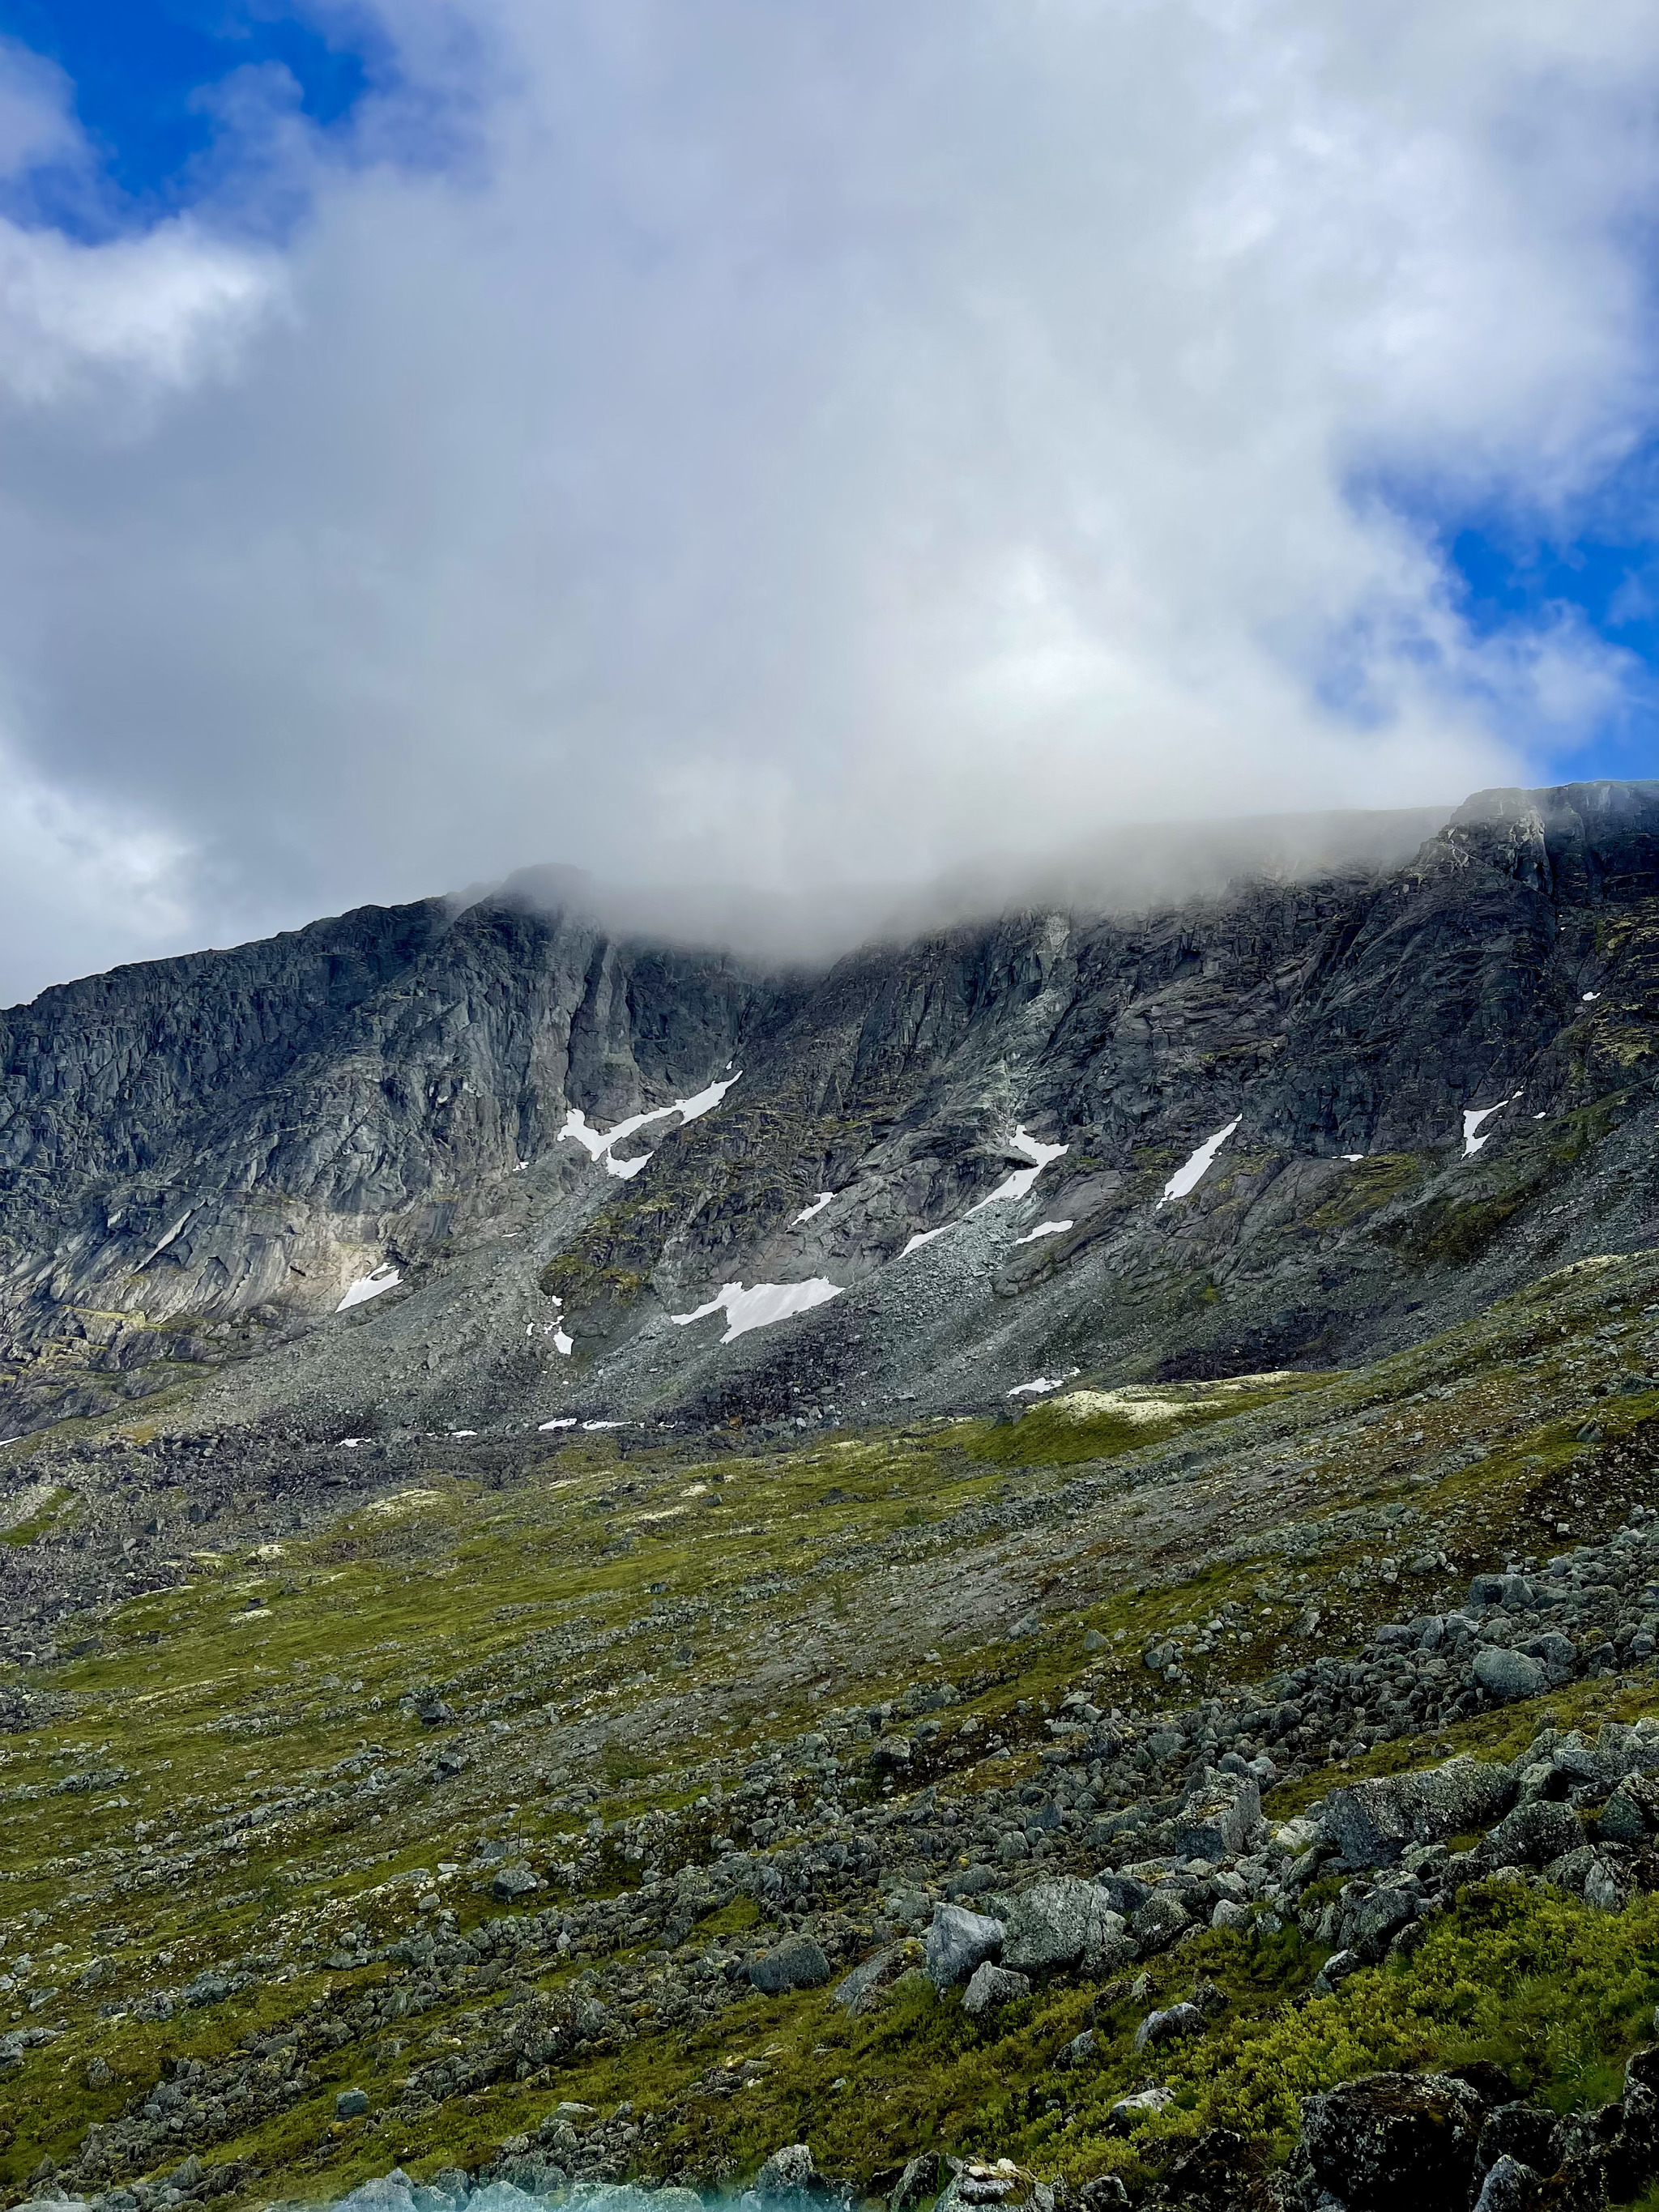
793 446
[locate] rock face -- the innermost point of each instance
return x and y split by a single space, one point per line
201 1159
1389 2140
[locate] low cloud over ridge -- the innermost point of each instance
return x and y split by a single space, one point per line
772 447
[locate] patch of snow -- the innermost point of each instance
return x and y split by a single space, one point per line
1045 1229
600 1143
350 1444
1353 1156
522 1165
762 1304
545 1425
817 1206
1192 1171
456 1434
384 1277
1472 1117
1037 1389
693 1108
1017 1184
562 1344
589 1426
1541 1117
923 1237
1589 996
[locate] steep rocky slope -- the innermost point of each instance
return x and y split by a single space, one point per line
1236 1794
199 1159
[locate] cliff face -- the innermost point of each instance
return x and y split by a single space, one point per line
199 1156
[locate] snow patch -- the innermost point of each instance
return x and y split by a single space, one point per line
762 1304
1589 996
563 1343
545 1426
1192 1172
1037 1388
1017 1184
817 1206
600 1143
923 1237
1045 1229
1472 1117
589 1426
384 1277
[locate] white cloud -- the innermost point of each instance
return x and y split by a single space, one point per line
792 443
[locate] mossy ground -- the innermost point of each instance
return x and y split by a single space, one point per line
623 1627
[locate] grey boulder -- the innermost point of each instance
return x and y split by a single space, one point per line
1508 1674
1389 2140
1064 1922
991 1986
957 1941
799 1964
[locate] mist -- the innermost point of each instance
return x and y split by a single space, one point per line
773 461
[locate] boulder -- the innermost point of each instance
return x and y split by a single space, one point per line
1522 2132
1145 2105
1387 2141
1508 1674
1063 1921
1167 2026
351 2104
1510 2187
1372 1822
991 1986
856 1992
1370 1923
1160 1920
512 1882
1632 1811
1533 1835
789 2172
919 2180
1221 1818
957 1941
798 1964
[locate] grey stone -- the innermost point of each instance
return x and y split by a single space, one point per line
1167 2026
798 1964
512 1882
1145 2105
991 1986
351 2104
789 2172
957 1941
854 1993
919 2180
1221 1818
1160 1920
1510 2187
1387 2141
1533 1835
1508 1674
1064 1922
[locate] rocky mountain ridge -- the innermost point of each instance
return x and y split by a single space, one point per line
201 1159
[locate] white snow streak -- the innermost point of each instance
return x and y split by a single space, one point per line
1192 1172
1589 996
600 1143
1472 1117
1043 1382
1016 1185
1045 1229
545 1426
817 1206
384 1277
762 1304
923 1237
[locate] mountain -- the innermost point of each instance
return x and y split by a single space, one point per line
200 1157
492 1712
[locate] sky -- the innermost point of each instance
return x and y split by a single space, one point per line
789 445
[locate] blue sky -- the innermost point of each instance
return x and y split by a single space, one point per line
786 445
144 73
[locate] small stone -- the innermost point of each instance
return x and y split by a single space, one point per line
513 1882
1180 2020
351 2104
991 1986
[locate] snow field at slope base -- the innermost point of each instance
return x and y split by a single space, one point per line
600 1143
384 1277
762 1304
